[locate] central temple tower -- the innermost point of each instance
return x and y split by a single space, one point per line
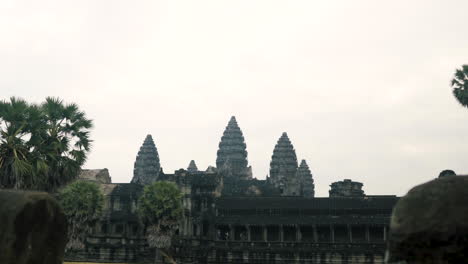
146 168
283 167
231 160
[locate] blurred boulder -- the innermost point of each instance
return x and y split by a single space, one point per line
446 173
32 228
430 223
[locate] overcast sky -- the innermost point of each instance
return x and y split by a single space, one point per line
361 87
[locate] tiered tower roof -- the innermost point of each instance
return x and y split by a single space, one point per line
283 163
192 167
232 153
307 182
147 166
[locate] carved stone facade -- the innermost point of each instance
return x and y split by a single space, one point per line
231 158
307 182
192 167
147 166
346 188
232 218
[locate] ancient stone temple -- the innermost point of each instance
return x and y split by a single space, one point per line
307 182
283 167
231 158
346 188
231 217
192 167
146 168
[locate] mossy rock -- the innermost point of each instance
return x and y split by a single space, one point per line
32 228
430 223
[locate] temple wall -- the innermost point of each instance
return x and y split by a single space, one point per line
316 231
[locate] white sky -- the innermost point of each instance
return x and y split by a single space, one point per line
361 87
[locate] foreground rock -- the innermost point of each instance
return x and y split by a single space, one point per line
430 224
32 228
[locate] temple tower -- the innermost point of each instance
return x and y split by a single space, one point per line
307 182
231 158
346 188
146 168
192 167
283 167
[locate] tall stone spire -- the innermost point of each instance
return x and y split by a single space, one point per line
192 167
146 168
283 167
231 158
307 182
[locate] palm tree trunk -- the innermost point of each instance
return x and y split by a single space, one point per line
168 257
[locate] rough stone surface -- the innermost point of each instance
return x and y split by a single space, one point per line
99 175
446 173
192 167
32 228
147 166
430 223
231 158
283 166
307 182
346 188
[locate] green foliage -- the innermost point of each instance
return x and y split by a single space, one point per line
160 200
41 146
160 208
82 203
460 85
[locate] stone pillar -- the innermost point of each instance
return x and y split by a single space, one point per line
385 233
231 232
281 233
265 233
315 233
298 233
350 232
332 234
248 232
367 234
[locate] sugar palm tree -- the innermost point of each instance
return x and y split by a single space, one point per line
460 85
65 141
160 210
16 131
82 203
41 146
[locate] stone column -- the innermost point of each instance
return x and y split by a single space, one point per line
281 233
350 232
332 234
248 232
298 233
367 234
265 233
231 232
314 227
385 233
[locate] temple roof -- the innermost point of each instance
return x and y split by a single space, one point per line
147 166
232 154
307 182
283 161
192 167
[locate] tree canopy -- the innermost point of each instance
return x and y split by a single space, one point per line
460 85
160 210
42 146
82 203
